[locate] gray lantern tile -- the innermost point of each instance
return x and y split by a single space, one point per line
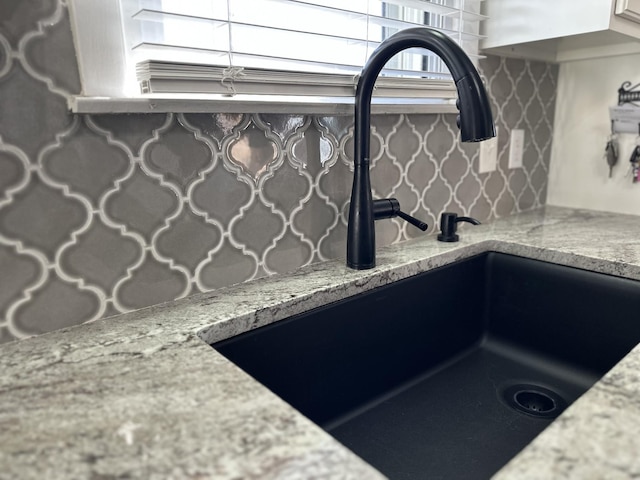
537 69
23 270
179 156
79 162
287 188
440 140
327 143
31 115
101 256
386 125
335 183
512 114
516 67
534 111
133 130
151 283
338 127
468 190
494 184
481 208
334 244
207 124
221 195
315 219
500 83
228 266
345 149
252 151
454 166
408 197
422 171
437 196
311 148
388 231
12 170
505 205
525 87
530 156
385 175
57 304
289 253
489 64
539 178
517 181
51 54
283 125
227 122
187 239
42 217
526 199
257 228
18 17
405 143
546 86
141 204
541 137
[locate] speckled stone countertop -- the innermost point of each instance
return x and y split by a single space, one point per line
143 396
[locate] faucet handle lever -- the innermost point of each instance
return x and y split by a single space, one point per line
390 207
413 221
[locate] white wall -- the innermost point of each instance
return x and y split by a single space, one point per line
579 174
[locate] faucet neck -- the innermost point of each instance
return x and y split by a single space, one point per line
462 70
476 123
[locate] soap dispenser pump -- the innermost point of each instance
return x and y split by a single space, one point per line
449 225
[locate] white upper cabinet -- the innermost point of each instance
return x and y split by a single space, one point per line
562 30
629 9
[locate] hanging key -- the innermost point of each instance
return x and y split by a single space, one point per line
635 159
611 154
611 149
635 164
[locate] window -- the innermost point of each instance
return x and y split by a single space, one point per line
296 52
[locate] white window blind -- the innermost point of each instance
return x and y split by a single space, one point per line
289 47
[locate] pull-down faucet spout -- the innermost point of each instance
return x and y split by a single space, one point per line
475 122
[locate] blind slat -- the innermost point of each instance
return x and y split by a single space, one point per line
171 78
325 37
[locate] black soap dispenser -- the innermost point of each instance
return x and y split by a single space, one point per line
449 225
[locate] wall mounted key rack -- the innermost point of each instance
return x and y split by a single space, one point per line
625 117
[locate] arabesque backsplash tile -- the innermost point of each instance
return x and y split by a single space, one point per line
104 214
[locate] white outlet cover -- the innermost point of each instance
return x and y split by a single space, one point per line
516 148
488 155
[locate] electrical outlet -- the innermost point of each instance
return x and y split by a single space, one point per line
516 148
488 155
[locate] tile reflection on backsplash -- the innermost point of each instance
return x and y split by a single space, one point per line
104 214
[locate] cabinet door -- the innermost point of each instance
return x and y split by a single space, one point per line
629 9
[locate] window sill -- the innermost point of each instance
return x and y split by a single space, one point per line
158 103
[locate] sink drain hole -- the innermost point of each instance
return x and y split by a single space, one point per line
534 400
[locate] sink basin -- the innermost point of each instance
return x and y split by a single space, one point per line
450 373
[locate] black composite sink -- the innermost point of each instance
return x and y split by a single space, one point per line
450 373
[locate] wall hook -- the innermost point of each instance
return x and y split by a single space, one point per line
628 94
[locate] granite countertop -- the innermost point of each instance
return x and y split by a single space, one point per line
142 395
